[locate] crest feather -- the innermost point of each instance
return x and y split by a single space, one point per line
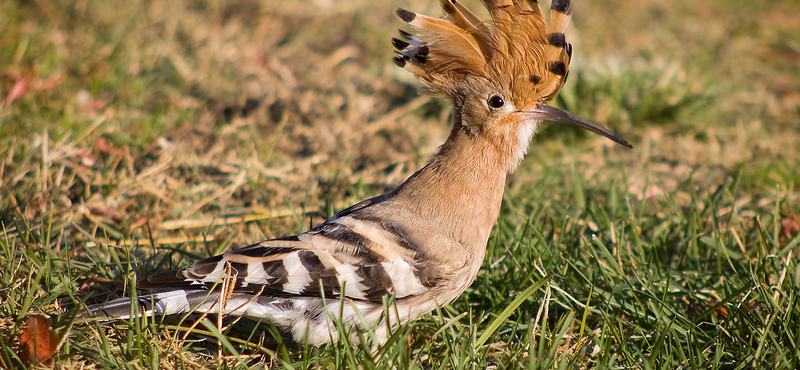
469 22
517 49
449 51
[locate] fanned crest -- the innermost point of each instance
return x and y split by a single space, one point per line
516 48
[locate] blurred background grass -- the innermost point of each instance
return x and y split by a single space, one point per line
170 130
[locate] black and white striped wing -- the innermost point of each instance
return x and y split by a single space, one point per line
364 259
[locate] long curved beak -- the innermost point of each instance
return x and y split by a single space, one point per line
545 112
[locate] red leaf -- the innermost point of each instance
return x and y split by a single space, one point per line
17 90
37 341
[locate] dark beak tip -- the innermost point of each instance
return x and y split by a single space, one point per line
623 142
550 113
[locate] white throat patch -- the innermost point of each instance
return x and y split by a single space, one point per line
524 136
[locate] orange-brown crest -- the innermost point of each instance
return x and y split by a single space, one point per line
516 50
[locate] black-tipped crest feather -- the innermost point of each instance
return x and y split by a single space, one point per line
405 15
563 6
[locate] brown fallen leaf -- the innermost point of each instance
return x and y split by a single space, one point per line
37 341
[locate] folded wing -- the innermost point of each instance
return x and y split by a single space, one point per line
359 258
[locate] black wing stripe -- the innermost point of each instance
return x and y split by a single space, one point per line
399 235
377 281
361 245
319 274
259 251
201 269
239 270
277 274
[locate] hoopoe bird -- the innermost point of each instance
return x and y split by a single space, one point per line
422 243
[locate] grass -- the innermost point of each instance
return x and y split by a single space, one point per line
140 137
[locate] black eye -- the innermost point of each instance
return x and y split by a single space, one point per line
496 101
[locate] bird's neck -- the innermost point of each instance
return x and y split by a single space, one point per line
460 190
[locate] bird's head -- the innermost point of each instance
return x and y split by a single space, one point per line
497 74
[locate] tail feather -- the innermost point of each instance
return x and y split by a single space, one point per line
121 308
306 318
162 303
